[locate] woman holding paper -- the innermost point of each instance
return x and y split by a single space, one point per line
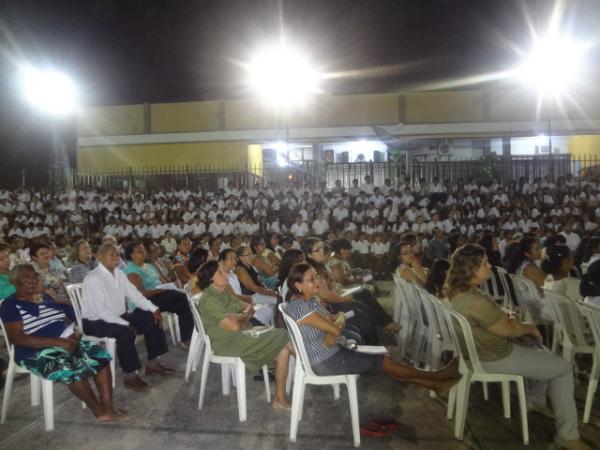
320 332
225 317
169 300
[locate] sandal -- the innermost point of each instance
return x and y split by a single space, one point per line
386 425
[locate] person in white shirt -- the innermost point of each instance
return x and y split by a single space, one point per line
320 225
299 229
106 292
368 186
572 238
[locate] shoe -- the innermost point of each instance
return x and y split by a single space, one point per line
575 444
385 425
544 410
278 407
159 369
136 384
376 431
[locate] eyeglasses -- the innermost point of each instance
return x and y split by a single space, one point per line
312 280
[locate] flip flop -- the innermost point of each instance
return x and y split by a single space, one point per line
386 425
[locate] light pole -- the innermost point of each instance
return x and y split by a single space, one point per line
53 94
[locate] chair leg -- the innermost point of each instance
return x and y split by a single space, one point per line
36 389
336 391
48 400
111 345
296 406
523 410
486 393
265 371
506 398
203 378
170 322
353 399
591 390
462 403
191 355
240 375
10 375
225 384
451 403
198 350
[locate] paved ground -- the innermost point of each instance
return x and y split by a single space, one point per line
167 417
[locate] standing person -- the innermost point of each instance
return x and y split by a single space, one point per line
45 346
106 291
495 333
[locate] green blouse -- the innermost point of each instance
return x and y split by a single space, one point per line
255 351
6 287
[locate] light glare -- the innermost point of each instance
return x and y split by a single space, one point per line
282 76
554 64
49 91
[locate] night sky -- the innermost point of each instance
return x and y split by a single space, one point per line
134 51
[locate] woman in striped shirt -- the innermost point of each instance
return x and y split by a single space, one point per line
320 331
50 348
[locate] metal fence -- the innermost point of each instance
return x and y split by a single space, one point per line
305 174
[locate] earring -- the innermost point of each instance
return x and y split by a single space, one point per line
300 290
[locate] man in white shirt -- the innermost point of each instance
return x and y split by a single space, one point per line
106 291
320 225
299 229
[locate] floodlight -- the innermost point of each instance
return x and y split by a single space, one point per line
49 91
282 76
554 64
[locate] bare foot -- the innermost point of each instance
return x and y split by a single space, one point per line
283 406
449 371
111 417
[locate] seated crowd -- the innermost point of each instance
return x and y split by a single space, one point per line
247 250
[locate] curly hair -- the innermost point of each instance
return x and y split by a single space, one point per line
463 264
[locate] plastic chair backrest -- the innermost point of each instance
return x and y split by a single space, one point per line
532 305
69 275
76 296
10 348
592 314
199 326
462 336
435 316
569 317
296 336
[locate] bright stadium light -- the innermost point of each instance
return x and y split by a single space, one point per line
282 76
553 64
49 91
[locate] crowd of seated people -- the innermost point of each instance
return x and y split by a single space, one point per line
138 253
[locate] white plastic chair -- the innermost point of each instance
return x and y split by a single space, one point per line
37 384
570 325
196 343
76 296
228 364
409 314
472 370
173 324
304 375
593 318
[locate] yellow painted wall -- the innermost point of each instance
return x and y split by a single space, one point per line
112 120
351 110
444 106
184 117
226 155
255 159
584 145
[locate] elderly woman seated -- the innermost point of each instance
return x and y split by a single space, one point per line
225 317
502 346
46 346
83 262
320 332
168 300
53 282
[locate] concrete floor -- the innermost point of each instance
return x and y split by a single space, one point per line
167 417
